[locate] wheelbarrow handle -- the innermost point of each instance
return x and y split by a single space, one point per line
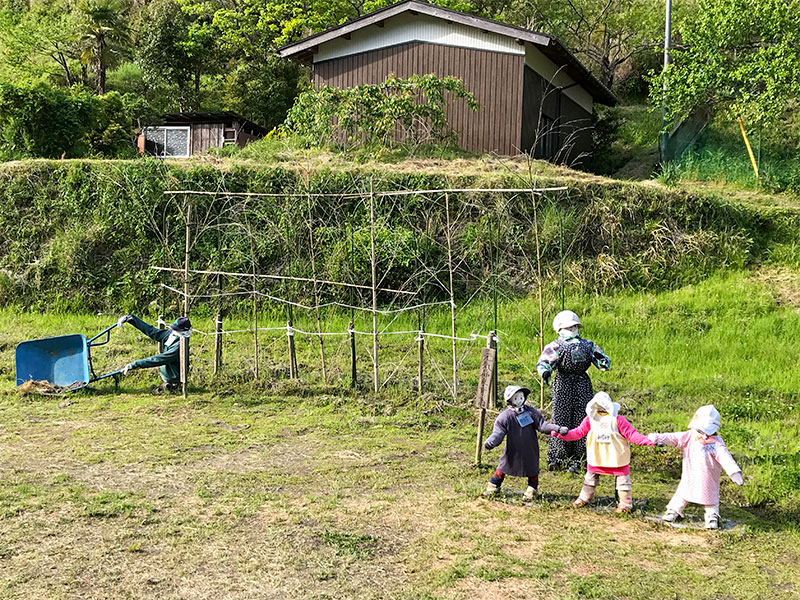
106 332
112 374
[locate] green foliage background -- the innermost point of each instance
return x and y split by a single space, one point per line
80 235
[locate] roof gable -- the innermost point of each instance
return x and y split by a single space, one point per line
303 50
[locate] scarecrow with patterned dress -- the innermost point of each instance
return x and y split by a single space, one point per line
563 364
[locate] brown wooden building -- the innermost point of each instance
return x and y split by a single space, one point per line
180 135
534 94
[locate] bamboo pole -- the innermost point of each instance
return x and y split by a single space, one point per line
218 343
539 286
284 278
364 194
375 372
452 296
292 355
184 365
316 295
255 331
255 299
160 325
421 363
186 263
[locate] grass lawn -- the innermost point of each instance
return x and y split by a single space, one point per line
280 489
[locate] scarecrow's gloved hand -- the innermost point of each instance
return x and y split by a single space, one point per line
546 377
653 437
127 368
563 430
737 478
122 320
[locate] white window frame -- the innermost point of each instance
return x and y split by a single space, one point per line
186 128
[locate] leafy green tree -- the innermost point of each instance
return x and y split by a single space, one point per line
742 56
603 35
38 43
375 114
104 35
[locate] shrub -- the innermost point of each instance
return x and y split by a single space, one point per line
40 121
398 110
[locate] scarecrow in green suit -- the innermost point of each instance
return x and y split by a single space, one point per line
169 358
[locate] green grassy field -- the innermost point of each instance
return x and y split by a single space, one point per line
290 489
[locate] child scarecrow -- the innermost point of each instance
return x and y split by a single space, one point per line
518 424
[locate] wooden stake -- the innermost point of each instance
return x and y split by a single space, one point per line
184 365
375 373
292 355
218 343
186 264
316 295
452 296
353 374
491 342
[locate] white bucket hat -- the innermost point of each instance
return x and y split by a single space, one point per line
706 419
510 390
566 319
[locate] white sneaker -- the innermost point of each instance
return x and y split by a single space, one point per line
671 516
530 494
712 521
491 489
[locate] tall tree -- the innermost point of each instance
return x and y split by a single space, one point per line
104 34
604 34
742 56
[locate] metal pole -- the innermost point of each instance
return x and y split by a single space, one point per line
662 137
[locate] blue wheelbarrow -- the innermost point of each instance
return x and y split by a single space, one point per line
64 361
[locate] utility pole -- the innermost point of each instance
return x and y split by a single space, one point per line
662 136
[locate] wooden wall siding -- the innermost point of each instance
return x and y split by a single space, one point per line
206 135
576 132
572 123
495 78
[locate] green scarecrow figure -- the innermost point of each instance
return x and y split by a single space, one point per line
169 359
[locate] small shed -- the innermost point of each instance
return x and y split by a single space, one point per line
535 95
180 135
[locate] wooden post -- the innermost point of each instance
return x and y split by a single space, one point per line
420 373
186 264
218 343
375 373
292 355
452 296
485 396
316 294
184 365
160 325
353 374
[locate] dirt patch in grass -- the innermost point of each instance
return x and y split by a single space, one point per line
783 283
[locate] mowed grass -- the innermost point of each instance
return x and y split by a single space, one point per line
290 489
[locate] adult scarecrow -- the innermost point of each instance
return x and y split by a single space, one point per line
566 361
169 358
